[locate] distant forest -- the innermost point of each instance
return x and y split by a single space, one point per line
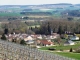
75 13
36 13
58 27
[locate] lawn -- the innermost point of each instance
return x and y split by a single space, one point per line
64 48
70 54
10 14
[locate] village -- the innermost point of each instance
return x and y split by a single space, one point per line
39 40
65 44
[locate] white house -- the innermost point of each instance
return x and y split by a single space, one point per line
69 42
39 37
74 38
30 42
28 38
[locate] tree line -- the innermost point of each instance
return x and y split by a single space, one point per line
36 13
58 26
75 13
46 27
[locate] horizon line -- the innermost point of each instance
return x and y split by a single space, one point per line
39 4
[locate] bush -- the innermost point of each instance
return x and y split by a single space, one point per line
3 37
22 42
71 50
51 49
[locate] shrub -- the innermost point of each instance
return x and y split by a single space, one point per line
51 49
22 42
3 37
71 50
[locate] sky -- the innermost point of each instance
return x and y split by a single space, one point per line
36 2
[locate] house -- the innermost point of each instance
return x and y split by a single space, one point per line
74 38
39 37
30 42
69 42
28 38
51 36
46 42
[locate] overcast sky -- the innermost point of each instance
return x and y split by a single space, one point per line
36 2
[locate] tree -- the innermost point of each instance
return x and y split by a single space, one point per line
70 18
71 50
22 42
58 40
58 26
60 31
49 29
6 31
3 37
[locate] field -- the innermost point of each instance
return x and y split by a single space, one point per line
36 16
62 47
65 50
70 54
10 14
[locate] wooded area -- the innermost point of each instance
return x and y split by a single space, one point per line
58 26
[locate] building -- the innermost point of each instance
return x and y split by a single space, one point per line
74 38
69 42
45 42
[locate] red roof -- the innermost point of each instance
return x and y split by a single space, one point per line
46 42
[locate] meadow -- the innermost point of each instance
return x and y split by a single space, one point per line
64 50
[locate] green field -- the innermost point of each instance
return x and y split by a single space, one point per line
62 47
10 14
70 55
65 51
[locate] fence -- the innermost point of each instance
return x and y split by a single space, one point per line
11 51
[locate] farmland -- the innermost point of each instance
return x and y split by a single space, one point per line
64 50
9 14
70 54
43 19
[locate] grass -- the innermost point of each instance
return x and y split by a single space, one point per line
63 53
10 14
70 55
62 47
